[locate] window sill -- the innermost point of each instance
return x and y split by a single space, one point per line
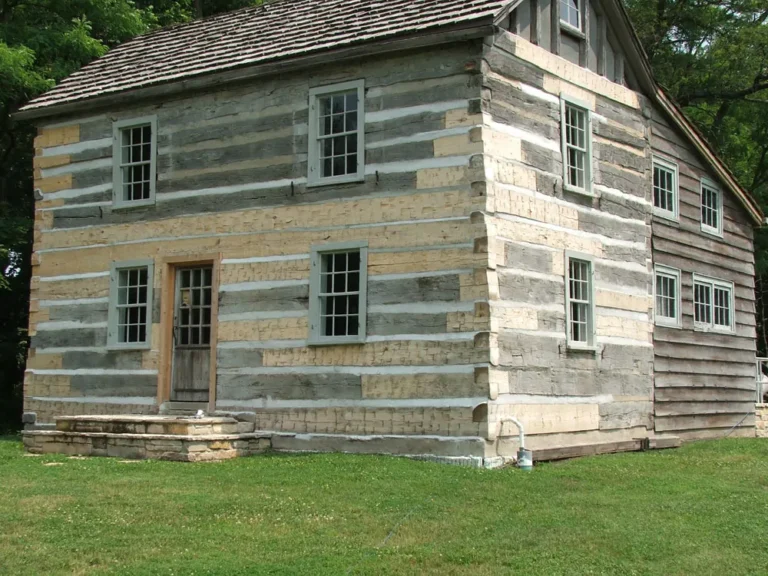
712 231
713 329
665 215
584 348
336 180
312 342
572 30
580 191
133 204
128 347
668 324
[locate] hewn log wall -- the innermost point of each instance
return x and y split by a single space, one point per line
232 181
565 397
705 382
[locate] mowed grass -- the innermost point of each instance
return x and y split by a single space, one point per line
701 509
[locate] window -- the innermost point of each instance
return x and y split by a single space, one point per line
667 289
712 304
336 133
580 302
711 209
577 147
665 191
338 293
130 304
570 13
134 154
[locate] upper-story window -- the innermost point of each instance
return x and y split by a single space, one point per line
134 153
665 189
576 128
570 13
337 133
711 208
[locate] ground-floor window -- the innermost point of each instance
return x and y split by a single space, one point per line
580 302
130 304
667 289
338 293
712 304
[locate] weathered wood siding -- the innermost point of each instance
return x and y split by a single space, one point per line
705 382
565 397
535 21
232 169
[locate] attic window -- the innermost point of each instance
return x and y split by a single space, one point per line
570 13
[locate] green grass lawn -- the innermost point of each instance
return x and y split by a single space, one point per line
702 509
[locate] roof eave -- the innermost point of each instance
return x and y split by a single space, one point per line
466 31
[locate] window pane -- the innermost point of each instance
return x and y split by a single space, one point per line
569 13
580 294
340 274
575 154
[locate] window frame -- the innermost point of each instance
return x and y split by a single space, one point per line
117 177
566 101
674 214
677 275
313 157
112 314
718 232
591 344
714 283
316 337
567 26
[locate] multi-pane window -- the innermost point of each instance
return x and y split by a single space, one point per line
665 189
580 302
711 209
336 133
576 147
570 13
712 304
134 153
338 293
667 291
130 312
193 314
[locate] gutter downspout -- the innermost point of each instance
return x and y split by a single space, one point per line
524 456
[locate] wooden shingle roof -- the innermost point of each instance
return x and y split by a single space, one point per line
273 31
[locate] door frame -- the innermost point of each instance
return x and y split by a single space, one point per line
170 265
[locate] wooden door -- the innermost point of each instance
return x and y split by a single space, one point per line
190 371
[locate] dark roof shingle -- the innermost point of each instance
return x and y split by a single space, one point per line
274 30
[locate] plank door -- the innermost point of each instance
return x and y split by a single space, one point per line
190 372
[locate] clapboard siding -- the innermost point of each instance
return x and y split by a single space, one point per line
704 381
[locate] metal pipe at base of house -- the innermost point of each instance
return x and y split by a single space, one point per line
524 456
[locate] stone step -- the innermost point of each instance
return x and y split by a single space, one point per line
186 448
166 425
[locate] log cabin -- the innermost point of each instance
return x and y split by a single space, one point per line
388 226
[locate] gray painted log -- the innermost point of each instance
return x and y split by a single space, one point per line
115 385
289 387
